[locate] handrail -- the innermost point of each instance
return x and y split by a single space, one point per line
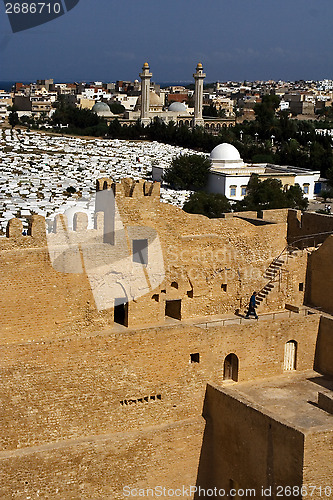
288 247
310 236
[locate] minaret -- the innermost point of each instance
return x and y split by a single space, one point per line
199 77
145 89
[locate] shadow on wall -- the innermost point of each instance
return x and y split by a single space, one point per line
243 448
323 362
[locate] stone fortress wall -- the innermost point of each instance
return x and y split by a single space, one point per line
211 266
90 406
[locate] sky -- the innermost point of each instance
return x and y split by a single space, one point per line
105 40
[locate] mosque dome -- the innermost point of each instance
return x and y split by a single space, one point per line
154 101
226 156
178 106
101 107
225 152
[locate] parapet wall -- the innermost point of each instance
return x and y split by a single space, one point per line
125 380
243 448
129 188
308 224
324 347
273 215
319 290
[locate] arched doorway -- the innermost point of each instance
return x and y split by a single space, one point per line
230 368
290 353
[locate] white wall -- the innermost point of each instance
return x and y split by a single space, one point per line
308 179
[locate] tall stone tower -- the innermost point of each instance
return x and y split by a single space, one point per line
199 77
145 88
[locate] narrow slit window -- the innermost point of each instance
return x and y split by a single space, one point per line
195 357
140 251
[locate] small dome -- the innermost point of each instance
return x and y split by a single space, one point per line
101 107
177 106
146 65
199 65
225 152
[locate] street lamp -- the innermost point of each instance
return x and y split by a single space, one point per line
272 138
256 136
241 135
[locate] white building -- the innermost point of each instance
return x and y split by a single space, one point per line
229 174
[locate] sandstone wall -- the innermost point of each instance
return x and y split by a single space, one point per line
211 266
308 223
104 467
320 277
115 382
324 348
244 448
318 459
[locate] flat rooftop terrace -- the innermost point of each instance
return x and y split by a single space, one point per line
291 399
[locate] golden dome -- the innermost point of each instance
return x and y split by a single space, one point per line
199 65
154 101
146 65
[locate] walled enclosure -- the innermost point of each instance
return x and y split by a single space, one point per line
211 266
90 406
89 415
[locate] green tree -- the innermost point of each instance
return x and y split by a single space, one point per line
295 198
188 172
326 194
13 117
269 194
117 108
209 204
265 114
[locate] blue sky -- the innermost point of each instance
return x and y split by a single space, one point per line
234 39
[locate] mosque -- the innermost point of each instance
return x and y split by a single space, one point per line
150 106
229 175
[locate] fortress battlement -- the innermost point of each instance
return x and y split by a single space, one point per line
129 188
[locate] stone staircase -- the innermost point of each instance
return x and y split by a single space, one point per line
272 274
273 271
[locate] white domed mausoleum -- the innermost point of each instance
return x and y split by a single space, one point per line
225 155
229 175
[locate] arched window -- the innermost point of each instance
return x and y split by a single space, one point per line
230 368
290 353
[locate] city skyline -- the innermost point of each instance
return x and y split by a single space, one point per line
244 41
